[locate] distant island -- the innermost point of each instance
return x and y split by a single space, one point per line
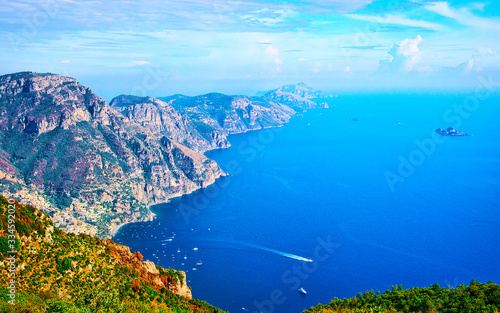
450 131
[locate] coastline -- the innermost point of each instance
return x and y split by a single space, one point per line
115 229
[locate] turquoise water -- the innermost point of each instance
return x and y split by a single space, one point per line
372 203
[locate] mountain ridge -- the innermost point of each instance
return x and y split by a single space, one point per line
95 167
211 117
65 144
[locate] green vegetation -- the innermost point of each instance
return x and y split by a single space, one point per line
476 297
60 272
4 245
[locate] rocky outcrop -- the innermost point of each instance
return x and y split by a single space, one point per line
161 118
148 272
67 143
202 123
232 114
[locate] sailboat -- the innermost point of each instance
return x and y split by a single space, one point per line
302 291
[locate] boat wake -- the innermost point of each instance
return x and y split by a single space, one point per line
277 252
244 246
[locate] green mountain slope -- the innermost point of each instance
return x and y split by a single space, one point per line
64 272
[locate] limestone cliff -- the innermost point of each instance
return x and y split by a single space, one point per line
203 122
61 140
296 96
161 118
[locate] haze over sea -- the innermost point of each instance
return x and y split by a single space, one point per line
317 189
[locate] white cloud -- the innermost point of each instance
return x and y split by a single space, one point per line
471 64
341 5
140 62
268 17
65 61
484 52
463 16
396 20
466 67
278 61
404 57
270 50
478 6
347 69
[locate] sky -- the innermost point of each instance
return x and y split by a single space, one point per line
159 48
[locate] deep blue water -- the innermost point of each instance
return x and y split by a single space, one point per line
323 178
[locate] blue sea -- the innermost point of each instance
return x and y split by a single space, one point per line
373 202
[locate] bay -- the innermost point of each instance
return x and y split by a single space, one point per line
376 202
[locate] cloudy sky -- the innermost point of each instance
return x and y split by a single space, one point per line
196 46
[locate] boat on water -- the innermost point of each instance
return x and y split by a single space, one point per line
302 291
199 263
179 250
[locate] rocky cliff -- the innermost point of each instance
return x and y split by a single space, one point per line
61 141
302 90
202 123
96 166
161 118
296 97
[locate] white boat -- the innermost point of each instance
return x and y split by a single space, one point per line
302 291
199 263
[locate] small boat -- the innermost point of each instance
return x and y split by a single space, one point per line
199 263
185 257
302 291
179 250
195 249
